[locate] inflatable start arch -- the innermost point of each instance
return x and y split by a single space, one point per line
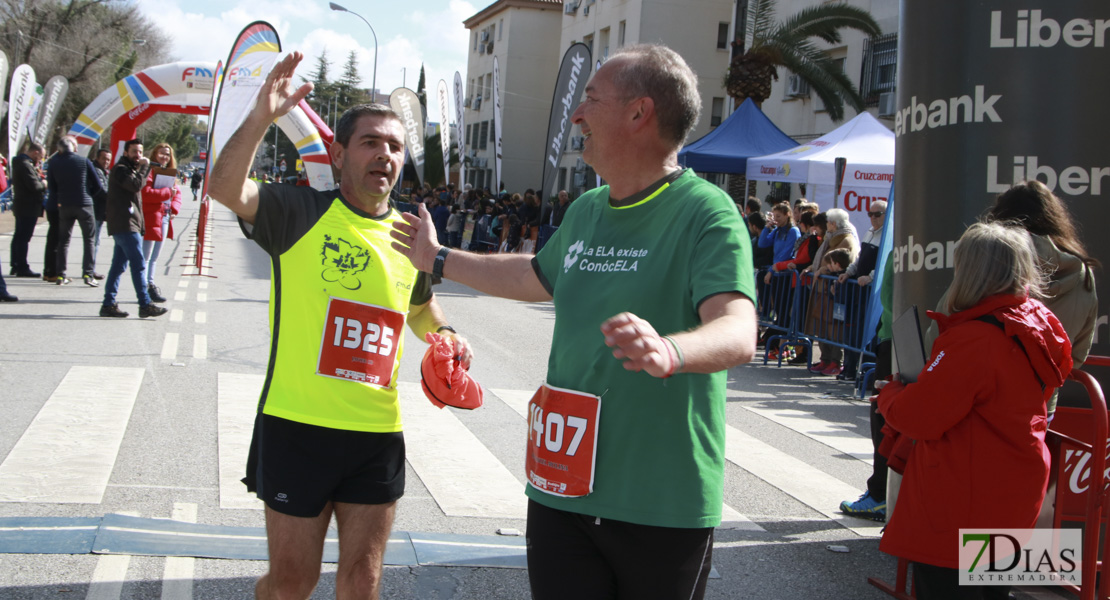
186 87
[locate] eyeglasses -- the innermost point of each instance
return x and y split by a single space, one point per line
875 214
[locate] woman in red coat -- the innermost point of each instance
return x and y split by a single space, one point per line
160 205
977 411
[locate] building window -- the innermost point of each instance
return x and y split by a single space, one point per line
604 43
722 36
484 135
717 112
589 41
467 142
492 132
880 67
500 29
620 34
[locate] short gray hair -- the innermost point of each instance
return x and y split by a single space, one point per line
992 258
346 126
878 205
657 72
838 217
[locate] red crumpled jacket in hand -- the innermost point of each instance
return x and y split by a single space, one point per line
443 377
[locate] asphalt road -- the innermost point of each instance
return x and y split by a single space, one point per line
796 440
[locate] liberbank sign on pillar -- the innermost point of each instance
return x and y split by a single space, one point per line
991 93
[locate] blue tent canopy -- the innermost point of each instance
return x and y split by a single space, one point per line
745 133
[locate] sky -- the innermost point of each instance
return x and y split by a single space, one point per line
409 33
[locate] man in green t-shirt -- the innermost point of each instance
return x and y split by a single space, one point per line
652 282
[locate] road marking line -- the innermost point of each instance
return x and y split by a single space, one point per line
200 317
730 517
200 346
110 573
807 484
183 283
237 403
202 297
177 576
67 453
176 315
465 478
203 285
169 346
179 296
833 435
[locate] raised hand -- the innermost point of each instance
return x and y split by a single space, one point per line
416 238
279 94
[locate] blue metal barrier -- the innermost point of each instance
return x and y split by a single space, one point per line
782 298
800 310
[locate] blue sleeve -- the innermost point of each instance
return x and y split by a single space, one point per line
766 238
792 237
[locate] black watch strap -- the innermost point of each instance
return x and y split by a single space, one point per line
447 327
437 266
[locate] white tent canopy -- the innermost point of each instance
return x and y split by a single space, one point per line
867 144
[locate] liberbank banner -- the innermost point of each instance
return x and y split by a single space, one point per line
574 72
990 93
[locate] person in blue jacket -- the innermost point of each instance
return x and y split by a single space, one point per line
780 233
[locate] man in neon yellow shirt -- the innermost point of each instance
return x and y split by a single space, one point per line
328 435
626 438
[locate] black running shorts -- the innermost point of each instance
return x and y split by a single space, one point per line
581 557
300 467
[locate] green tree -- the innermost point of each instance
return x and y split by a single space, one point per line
433 160
175 130
789 43
92 43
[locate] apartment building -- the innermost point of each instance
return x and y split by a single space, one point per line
870 63
524 35
699 30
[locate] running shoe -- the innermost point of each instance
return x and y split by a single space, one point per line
832 369
866 507
90 281
817 368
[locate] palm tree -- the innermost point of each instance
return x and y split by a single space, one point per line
789 44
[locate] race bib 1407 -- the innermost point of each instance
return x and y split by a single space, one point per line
562 441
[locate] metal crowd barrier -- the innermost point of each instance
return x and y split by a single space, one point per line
802 309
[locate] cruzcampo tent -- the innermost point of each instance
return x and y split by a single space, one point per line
746 132
867 144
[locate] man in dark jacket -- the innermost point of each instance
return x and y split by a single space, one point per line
100 201
72 182
28 190
125 225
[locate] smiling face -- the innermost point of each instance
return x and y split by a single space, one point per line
161 155
600 115
372 160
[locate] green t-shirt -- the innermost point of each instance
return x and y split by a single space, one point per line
661 443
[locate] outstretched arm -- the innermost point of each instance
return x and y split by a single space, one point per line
229 184
505 275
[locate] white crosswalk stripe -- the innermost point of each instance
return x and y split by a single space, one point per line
177 575
67 453
833 435
237 404
463 476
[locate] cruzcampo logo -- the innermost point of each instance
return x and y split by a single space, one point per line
343 262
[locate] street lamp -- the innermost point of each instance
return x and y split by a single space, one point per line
374 82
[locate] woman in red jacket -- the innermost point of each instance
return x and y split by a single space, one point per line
977 411
160 205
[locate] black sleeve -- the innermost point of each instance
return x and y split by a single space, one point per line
285 213
543 280
422 291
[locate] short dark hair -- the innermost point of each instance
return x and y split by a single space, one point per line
32 147
127 145
753 205
758 220
346 126
100 151
839 256
806 219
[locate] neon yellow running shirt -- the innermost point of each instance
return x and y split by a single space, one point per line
339 298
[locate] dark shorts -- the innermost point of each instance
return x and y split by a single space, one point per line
296 469
578 556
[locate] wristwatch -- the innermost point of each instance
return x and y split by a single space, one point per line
437 266
448 328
